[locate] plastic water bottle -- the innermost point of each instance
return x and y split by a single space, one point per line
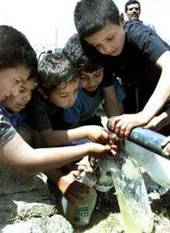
104 180
80 213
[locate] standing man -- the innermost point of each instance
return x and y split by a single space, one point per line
133 11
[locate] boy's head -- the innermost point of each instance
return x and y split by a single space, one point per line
58 79
18 61
98 22
19 102
89 68
132 9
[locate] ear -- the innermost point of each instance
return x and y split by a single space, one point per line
121 18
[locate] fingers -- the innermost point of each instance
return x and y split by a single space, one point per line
112 122
75 173
166 150
166 145
120 125
166 141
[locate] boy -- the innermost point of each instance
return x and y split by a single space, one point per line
18 63
59 85
133 52
12 108
91 94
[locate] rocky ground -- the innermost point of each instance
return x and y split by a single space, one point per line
26 207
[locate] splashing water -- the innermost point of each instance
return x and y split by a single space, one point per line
132 196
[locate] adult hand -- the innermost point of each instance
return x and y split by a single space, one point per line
72 189
122 125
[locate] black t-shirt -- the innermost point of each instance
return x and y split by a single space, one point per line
42 115
136 64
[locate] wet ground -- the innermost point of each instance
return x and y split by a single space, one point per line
107 219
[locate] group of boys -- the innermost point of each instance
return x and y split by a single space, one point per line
73 84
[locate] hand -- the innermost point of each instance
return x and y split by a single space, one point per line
166 145
115 142
122 125
158 122
98 150
72 189
84 164
97 134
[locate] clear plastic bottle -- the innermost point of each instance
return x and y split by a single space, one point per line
132 196
104 174
80 213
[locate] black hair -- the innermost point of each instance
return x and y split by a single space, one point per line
91 16
74 51
54 69
131 2
15 50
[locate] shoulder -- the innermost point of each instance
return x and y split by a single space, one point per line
144 39
134 29
6 130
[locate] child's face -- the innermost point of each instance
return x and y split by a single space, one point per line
65 95
11 80
91 81
18 102
109 40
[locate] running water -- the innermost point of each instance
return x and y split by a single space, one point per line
132 195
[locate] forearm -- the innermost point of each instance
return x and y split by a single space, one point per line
162 90
18 154
112 109
111 105
64 137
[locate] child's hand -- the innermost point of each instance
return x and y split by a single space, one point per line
158 122
84 165
166 145
71 188
98 150
97 134
115 142
122 125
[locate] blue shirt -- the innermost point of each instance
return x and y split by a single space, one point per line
84 108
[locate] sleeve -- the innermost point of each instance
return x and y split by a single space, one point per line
7 132
37 115
146 40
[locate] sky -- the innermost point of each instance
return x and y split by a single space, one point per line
49 23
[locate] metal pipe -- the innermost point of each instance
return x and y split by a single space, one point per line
148 139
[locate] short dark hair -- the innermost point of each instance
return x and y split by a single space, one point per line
15 50
74 51
54 69
131 2
91 16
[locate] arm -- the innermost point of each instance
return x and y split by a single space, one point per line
18 154
162 90
159 122
62 137
122 125
68 184
111 105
